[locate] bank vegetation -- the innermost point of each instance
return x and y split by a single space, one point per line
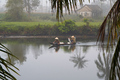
67 27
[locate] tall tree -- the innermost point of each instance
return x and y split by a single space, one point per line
31 5
14 10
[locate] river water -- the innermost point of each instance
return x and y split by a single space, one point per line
39 61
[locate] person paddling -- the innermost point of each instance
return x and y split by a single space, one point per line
72 40
56 41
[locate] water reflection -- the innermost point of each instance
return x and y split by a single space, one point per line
44 55
68 48
36 50
19 51
22 50
78 59
85 49
72 47
104 64
55 47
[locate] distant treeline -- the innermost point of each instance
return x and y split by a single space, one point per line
52 17
67 27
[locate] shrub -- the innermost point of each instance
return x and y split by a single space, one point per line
67 26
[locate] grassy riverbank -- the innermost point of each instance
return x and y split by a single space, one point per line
3 23
67 27
27 23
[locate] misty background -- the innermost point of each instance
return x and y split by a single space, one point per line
45 6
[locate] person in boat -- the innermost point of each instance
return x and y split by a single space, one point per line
56 41
72 40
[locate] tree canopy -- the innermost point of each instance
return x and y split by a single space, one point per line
30 5
14 10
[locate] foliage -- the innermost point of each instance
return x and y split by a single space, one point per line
115 65
67 26
31 5
69 5
49 17
6 66
86 21
1 16
112 23
49 28
92 24
14 10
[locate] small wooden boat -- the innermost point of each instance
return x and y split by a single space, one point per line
62 43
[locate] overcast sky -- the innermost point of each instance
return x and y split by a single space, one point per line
2 2
43 2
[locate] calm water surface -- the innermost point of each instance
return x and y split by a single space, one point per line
37 61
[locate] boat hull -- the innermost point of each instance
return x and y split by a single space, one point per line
61 44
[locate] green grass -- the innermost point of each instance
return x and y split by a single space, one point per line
28 23
95 23
91 23
45 23
80 23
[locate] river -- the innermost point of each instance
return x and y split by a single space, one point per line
37 61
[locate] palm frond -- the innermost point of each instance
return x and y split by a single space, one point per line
115 65
69 5
111 21
3 78
5 73
8 63
6 50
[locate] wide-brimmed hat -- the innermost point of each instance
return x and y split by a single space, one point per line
56 38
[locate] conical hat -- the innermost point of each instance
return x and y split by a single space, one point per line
56 38
72 37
